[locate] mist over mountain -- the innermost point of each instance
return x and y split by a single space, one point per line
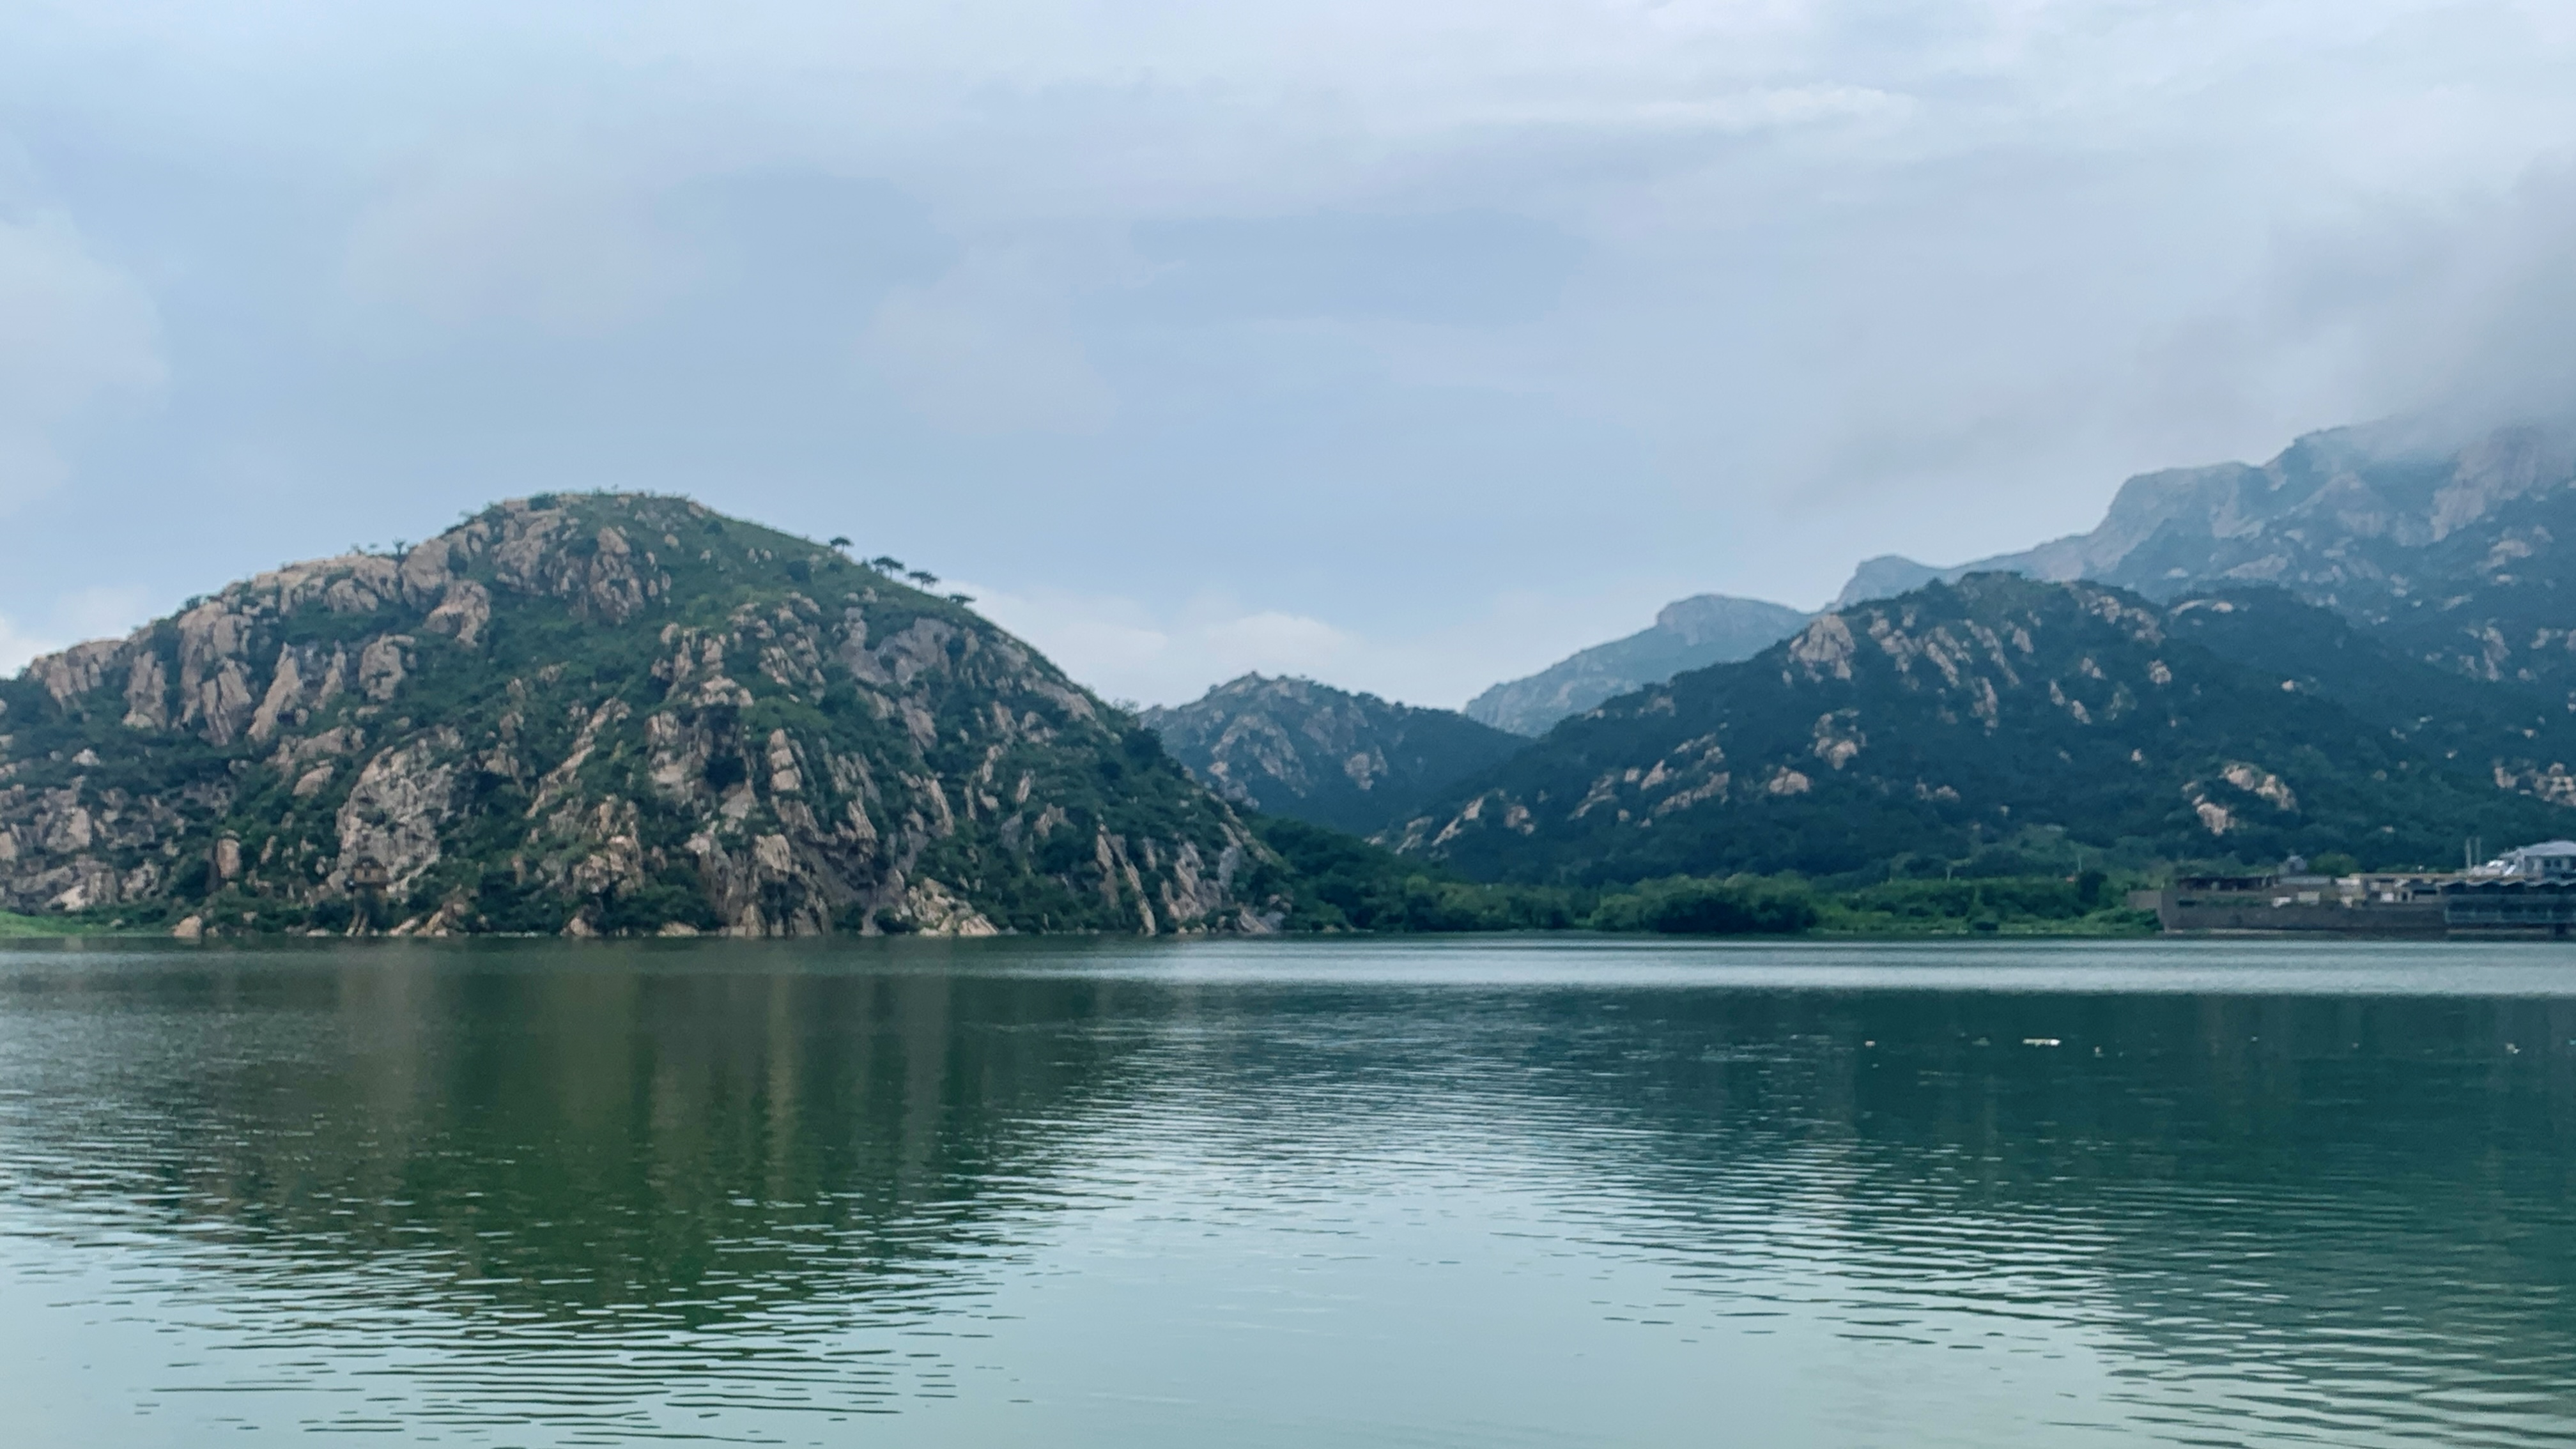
2452 551
1687 634
1306 750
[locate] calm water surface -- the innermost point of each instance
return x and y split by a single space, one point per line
1511 1193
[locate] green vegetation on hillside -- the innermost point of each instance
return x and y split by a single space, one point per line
621 715
1945 722
597 714
1351 761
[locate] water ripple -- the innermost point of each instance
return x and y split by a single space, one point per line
1421 1197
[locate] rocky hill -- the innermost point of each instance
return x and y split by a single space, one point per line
1297 748
1690 633
1971 714
600 714
2451 551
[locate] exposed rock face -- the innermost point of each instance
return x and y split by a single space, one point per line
1688 634
2453 552
595 715
1970 715
1351 761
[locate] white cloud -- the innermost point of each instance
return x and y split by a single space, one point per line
1287 642
103 612
1124 650
1588 299
18 646
74 332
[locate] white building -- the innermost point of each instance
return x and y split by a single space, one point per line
2550 860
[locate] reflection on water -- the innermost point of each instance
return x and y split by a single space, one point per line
1467 1193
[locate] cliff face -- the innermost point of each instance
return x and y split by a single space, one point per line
1690 633
2452 553
1351 761
599 713
1964 716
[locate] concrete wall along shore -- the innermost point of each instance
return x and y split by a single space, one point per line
2396 906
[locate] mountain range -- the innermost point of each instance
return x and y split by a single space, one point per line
2000 711
618 714
2451 551
2448 545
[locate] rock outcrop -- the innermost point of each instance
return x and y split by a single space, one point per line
599 714
2452 552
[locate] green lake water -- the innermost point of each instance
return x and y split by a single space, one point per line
1471 1192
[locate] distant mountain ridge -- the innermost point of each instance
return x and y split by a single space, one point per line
2456 553
1687 634
1293 747
1965 715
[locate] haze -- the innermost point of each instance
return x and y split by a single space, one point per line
1406 347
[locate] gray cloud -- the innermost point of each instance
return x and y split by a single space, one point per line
988 347
1425 343
1456 268
2463 308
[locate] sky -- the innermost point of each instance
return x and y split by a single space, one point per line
1406 347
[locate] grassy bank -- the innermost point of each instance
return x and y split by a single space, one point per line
16 927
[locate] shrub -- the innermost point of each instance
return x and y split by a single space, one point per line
1686 907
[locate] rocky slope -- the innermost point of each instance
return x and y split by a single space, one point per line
1690 633
596 714
1969 715
2452 552
1351 761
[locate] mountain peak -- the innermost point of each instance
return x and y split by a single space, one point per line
2344 516
1885 577
1687 634
1330 756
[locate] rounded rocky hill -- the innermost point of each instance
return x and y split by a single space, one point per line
600 714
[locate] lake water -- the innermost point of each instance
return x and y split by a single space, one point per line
1474 1192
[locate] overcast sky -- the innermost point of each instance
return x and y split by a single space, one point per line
1406 346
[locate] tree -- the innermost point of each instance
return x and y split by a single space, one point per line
924 577
838 542
886 564
961 598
